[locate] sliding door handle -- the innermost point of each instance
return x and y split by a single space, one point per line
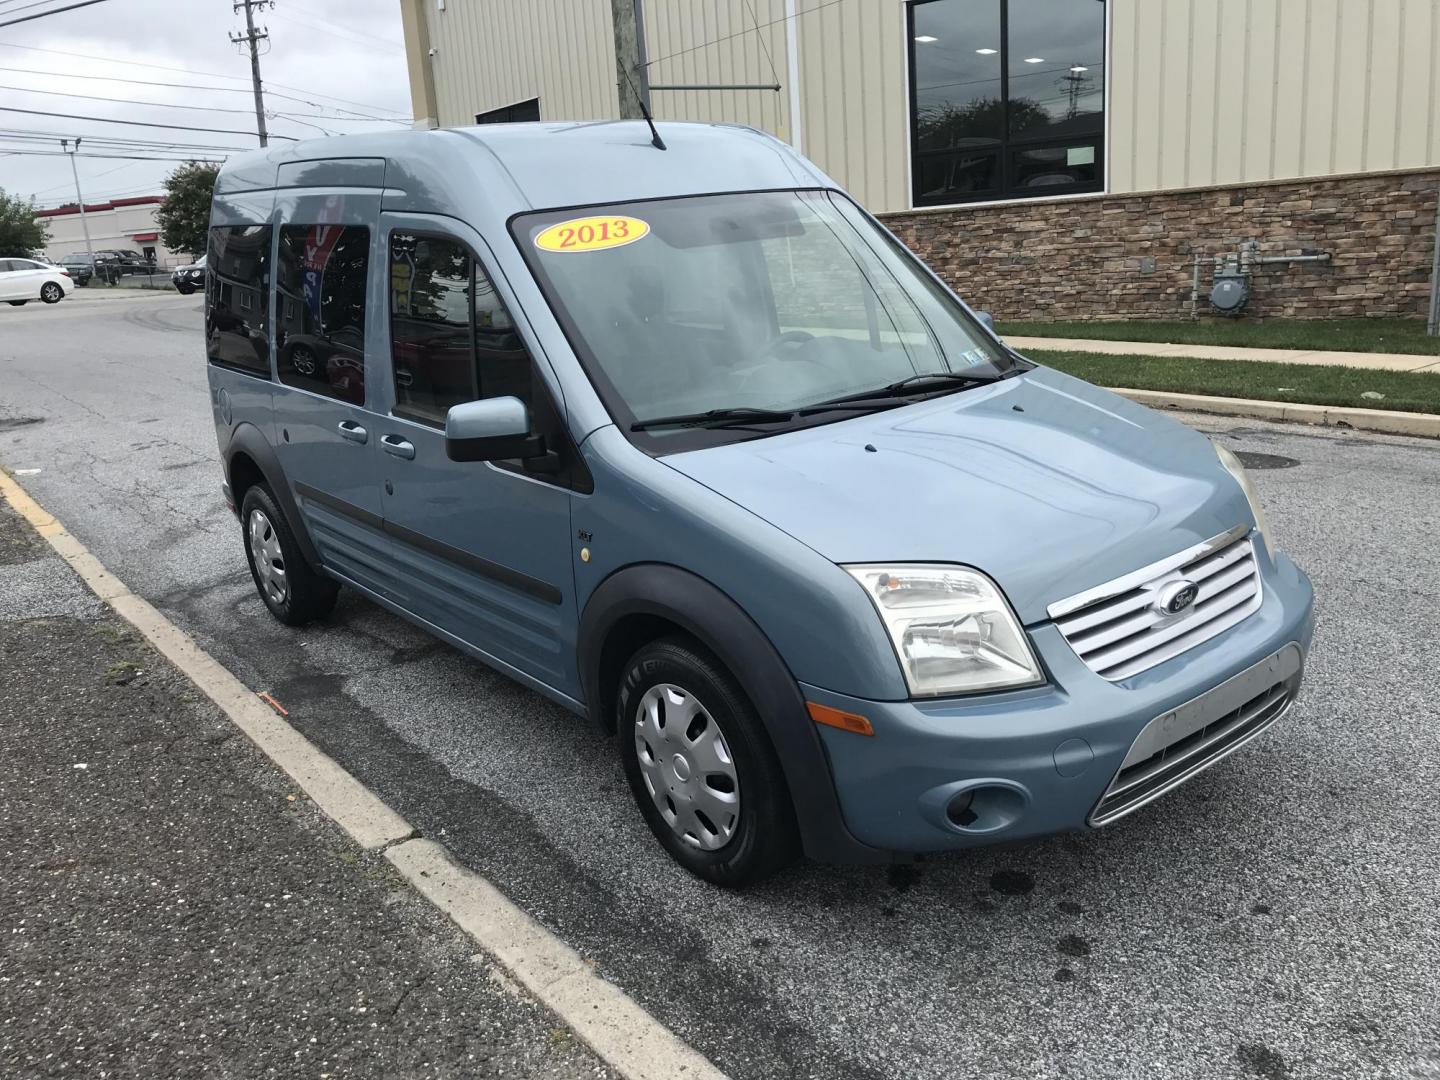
353 431
398 447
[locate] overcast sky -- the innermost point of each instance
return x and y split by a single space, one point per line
344 49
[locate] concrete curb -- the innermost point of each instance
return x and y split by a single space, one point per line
614 1025
1425 425
1316 357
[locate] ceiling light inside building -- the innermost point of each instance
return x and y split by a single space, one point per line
925 39
986 52
1034 59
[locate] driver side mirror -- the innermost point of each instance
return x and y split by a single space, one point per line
987 320
493 429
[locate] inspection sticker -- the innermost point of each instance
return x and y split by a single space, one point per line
592 234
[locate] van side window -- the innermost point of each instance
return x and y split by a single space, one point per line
320 280
237 324
430 325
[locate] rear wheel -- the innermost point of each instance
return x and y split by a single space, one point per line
51 293
294 593
701 766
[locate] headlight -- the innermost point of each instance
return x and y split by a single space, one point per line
1236 469
952 628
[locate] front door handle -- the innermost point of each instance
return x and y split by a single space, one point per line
398 447
353 431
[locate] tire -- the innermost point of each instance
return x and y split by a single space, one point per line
303 360
51 293
17 303
296 594
185 290
673 681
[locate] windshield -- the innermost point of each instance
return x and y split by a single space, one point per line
770 301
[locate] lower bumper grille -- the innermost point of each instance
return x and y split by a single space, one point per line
1204 731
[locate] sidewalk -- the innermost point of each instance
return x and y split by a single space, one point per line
1373 361
174 907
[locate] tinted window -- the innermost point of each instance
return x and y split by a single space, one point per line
1007 98
320 306
520 112
430 325
452 339
237 326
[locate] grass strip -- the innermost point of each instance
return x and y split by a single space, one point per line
1293 383
1338 335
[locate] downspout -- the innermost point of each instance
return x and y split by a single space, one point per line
792 73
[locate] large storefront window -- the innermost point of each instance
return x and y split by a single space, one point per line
1007 98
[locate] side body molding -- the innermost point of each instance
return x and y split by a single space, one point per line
661 591
248 439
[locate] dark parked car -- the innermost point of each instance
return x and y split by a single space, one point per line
190 277
80 267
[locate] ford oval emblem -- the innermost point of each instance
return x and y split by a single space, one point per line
1176 596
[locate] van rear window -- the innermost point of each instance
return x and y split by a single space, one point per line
237 289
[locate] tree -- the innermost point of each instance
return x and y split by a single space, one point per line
21 232
184 215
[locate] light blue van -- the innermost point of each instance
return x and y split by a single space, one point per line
686 441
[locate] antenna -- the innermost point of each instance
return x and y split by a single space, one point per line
655 139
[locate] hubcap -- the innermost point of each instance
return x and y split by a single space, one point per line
268 558
687 767
52 291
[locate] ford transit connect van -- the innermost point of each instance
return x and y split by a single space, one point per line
685 441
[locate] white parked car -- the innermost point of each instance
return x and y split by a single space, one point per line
23 280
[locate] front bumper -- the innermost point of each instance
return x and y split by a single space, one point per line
1039 761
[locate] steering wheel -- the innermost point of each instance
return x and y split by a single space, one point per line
789 337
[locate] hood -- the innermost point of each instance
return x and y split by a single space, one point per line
1048 484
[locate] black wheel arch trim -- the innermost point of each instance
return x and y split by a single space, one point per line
722 626
249 440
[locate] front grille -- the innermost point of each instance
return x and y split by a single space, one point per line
1142 781
1119 630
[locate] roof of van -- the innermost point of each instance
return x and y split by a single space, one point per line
529 166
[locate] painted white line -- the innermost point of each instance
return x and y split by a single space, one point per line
613 1024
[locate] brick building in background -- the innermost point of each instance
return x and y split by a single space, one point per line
1052 158
126 224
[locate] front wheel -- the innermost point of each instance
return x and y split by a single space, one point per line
51 293
701 766
294 593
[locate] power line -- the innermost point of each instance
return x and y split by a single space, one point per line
125 101
740 33
135 123
37 135
52 11
191 71
114 157
216 89
344 35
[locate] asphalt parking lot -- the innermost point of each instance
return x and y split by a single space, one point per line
1279 916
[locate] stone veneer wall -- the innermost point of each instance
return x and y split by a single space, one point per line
1131 256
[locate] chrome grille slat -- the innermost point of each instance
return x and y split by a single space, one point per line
1120 633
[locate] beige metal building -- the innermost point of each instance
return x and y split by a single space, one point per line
1113 140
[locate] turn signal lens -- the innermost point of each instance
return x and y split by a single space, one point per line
845 721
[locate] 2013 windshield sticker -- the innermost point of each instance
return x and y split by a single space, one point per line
592 234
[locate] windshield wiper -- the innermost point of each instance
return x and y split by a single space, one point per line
715 418
940 379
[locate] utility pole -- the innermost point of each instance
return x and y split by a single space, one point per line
80 200
253 39
631 77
